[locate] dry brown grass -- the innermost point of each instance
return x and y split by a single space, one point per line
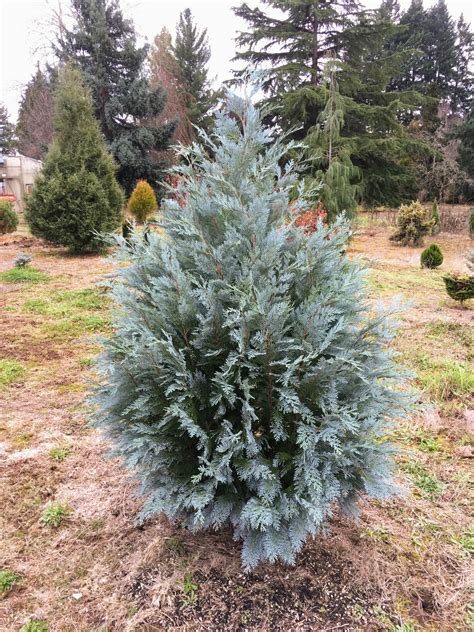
405 561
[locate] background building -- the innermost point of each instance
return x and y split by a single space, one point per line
17 174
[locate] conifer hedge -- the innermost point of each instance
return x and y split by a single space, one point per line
247 383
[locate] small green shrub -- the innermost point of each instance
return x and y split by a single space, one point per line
189 589
471 224
431 257
142 202
54 515
460 287
24 275
8 218
435 218
413 223
427 484
465 540
35 625
7 580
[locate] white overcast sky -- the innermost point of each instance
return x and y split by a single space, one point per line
25 26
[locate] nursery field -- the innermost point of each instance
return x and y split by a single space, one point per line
72 557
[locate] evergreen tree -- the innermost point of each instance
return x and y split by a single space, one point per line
296 46
164 73
103 44
192 54
465 133
293 43
336 171
431 37
461 94
247 381
7 132
35 117
465 158
76 194
142 202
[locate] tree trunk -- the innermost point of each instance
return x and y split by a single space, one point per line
315 55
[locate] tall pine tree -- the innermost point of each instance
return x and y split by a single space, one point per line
293 38
35 117
76 195
192 54
103 44
462 92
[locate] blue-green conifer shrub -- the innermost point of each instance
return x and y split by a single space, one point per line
247 383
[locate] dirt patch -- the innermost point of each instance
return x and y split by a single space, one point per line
405 561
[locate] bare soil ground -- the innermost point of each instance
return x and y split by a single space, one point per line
405 563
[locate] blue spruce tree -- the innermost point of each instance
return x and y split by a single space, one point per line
246 383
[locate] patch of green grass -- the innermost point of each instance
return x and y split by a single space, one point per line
451 330
405 627
465 540
446 380
60 452
24 275
35 625
94 323
61 330
419 438
97 524
54 514
86 362
403 280
426 483
88 299
7 580
377 533
11 372
71 313
67 304
22 439
72 387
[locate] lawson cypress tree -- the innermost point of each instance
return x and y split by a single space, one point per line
76 195
247 382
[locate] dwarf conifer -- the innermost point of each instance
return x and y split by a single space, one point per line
76 195
142 202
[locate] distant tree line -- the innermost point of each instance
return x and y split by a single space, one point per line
401 122
383 99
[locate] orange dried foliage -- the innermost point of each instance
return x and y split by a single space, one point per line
308 220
